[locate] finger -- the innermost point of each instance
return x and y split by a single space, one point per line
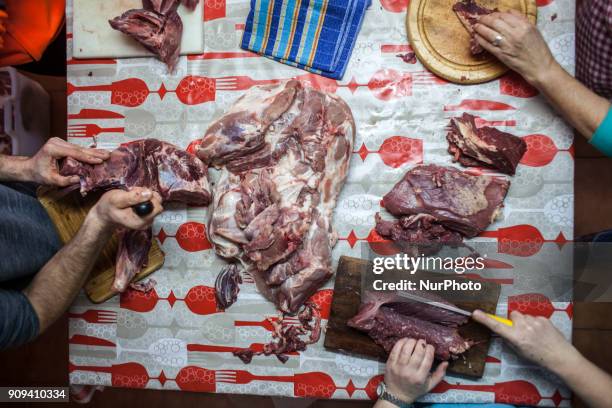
502 27
517 317
396 351
492 324
437 375
406 352
512 19
125 199
418 354
516 13
64 181
486 32
100 153
427 362
59 151
495 51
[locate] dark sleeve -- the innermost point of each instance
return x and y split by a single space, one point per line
18 320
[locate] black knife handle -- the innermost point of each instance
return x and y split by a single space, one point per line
143 209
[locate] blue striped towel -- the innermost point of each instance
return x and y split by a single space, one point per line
315 35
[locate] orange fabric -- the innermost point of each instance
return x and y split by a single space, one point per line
30 27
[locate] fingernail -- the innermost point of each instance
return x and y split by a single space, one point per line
75 179
146 194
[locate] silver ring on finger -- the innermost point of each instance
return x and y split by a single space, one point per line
497 40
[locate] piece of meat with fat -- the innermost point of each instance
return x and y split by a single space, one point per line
484 146
159 33
388 317
468 12
175 174
457 200
284 153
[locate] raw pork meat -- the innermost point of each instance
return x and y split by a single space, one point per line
453 199
485 146
284 154
175 174
157 26
387 318
468 12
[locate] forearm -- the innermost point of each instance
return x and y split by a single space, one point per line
15 168
54 288
589 382
581 107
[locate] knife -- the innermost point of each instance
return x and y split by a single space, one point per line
417 298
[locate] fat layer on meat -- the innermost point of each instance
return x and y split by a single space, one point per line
284 153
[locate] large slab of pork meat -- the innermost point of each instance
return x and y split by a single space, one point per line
175 174
441 205
387 318
485 146
284 153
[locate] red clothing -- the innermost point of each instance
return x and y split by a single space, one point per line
594 46
31 26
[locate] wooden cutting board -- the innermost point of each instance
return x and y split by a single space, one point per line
67 214
93 37
347 298
441 42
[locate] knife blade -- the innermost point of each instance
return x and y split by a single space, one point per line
452 308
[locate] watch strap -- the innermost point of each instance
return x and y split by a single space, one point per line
395 400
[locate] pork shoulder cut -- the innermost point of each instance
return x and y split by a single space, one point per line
283 152
175 174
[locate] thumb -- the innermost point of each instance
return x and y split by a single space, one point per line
493 325
135 196
64 181
438 375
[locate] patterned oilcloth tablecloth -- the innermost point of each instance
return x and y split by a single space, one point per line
401 111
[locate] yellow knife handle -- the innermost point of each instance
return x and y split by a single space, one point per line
500 319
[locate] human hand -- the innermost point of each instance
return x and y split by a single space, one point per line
407 372
533 337
522 47
42 168
114 209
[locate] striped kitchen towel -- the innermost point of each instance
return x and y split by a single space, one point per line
315 35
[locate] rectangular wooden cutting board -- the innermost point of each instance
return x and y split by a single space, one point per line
67 214
347 298
94 38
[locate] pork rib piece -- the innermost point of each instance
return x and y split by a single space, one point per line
456 200
175 174
387 318
485 146
284 153
157 26
468 12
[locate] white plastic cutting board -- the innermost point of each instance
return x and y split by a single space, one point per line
94 37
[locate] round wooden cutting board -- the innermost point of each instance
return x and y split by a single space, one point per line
442 43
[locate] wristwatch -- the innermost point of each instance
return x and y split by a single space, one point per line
383 394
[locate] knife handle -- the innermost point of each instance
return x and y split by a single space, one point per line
500 319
